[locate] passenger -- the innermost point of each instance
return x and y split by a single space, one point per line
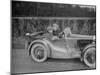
67 32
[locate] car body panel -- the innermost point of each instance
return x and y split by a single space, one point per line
59 49
65 47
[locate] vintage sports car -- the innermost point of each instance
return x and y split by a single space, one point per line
66 46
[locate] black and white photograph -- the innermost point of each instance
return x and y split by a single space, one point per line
52 37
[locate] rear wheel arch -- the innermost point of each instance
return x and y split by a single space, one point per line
39 42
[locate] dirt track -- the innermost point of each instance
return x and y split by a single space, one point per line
22 63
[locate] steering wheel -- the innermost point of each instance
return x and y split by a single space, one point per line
61 35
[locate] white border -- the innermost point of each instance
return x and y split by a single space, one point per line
85 2
5 36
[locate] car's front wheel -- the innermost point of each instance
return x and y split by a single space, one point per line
39 52
89 57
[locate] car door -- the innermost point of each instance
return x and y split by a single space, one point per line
72 47
58 48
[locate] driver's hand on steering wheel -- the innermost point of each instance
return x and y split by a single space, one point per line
61 34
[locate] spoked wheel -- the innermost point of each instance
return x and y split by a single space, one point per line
39 53
90 57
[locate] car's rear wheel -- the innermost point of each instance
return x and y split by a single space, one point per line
89 57
39 52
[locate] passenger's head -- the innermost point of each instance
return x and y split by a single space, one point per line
55 26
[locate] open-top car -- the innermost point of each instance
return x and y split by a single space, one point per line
66 46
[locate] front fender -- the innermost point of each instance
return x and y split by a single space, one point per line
88 46
41 41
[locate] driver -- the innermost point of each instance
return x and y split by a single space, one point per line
54 30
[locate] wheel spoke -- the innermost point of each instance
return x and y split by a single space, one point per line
90 56
39 52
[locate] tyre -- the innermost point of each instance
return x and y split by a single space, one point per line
89 57
39 52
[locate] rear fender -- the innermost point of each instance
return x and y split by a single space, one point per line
41 42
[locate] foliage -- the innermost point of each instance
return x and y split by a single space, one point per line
22 26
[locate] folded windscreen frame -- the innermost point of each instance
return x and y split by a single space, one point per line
52 37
